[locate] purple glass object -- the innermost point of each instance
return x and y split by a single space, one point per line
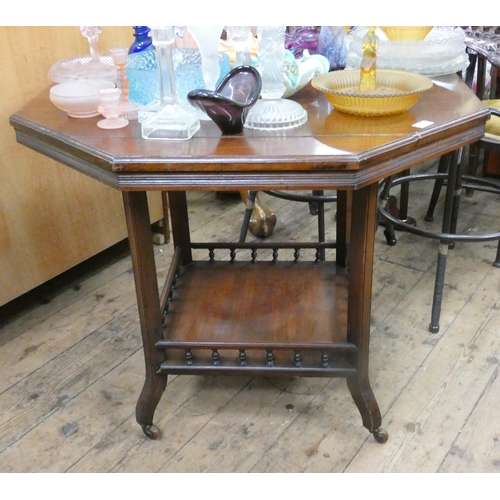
230 102
301 38
331 44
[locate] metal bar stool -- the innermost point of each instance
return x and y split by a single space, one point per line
456 176
455 181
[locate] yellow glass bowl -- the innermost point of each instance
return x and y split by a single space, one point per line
397 91
406 33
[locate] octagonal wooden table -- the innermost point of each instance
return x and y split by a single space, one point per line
240 313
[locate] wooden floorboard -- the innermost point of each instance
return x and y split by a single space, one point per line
71 369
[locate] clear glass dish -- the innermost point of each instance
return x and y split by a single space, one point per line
83 68
442 52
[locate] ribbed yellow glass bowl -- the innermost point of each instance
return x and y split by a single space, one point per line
406 33
397 91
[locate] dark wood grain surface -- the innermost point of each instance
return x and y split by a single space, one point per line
363 149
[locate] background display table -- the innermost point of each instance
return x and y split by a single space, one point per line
209 317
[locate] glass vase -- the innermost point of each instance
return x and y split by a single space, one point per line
331 44
207 38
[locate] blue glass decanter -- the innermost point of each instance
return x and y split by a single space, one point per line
142 41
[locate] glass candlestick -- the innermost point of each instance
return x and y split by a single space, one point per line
272 112
168 117
120 56
110 109
128 108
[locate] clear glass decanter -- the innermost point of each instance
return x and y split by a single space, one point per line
142 39
169 117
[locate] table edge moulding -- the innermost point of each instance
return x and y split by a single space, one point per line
319 322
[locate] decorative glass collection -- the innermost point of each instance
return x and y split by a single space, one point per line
240 76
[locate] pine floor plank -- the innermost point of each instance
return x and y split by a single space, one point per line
428 415
324 434
178 416
51 304
477 448
257 416
44 342
183 424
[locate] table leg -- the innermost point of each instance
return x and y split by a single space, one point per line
344 203
148 301
180 225
361 255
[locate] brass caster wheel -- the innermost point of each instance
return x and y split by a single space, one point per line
151 431
380 435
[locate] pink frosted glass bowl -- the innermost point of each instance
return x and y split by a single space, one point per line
79 98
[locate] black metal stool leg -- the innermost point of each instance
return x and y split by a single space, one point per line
313 205
438 184
389 232
321 223
473 161
456 204
496 262
454 180
403 201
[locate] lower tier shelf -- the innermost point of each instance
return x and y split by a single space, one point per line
230 317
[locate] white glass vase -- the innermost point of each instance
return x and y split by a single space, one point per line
207 38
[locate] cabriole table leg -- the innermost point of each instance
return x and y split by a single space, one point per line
361 255
148 301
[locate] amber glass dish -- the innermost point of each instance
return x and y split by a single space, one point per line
397 91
